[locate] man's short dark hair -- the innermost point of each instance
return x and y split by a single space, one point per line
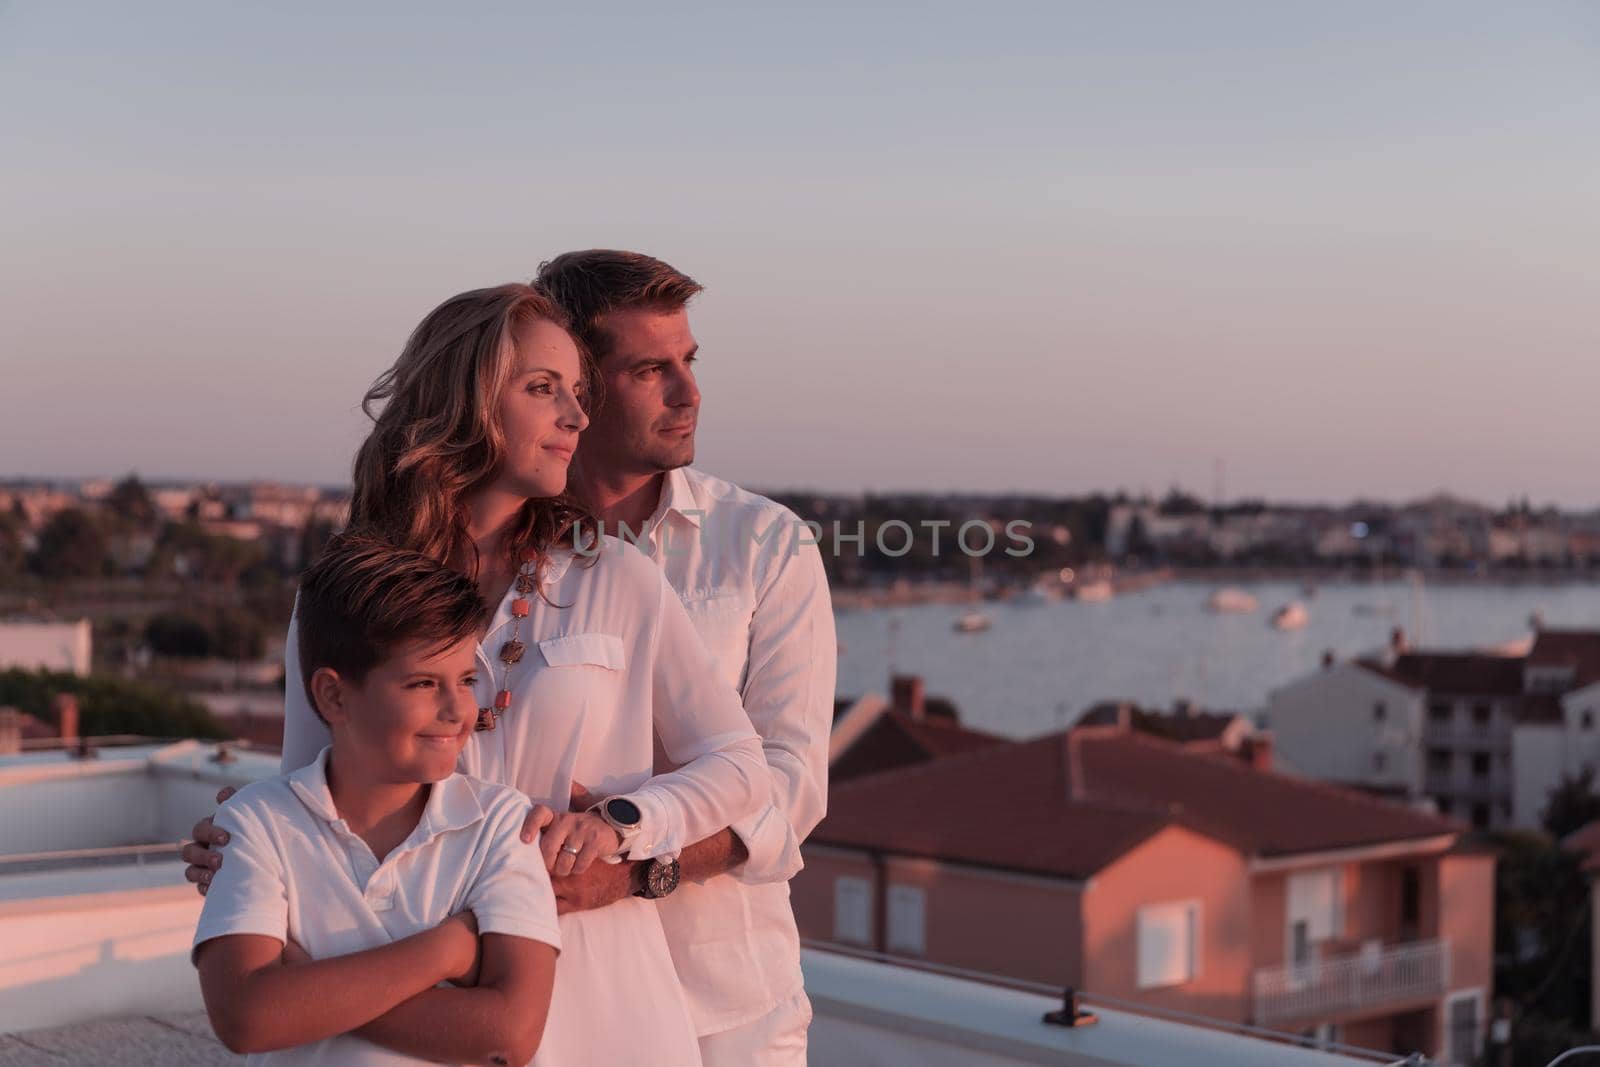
591 284
363 598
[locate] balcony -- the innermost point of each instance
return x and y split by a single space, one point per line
1352 983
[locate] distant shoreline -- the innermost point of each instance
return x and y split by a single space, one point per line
1127 582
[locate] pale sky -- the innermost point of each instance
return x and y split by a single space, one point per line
1345 248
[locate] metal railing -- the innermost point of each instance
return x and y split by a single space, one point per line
111 856
1024 985
1352 981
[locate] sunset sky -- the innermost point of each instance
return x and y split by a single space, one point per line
1341 248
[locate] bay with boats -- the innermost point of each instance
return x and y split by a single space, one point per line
1033 662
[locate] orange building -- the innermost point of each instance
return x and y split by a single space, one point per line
1131 867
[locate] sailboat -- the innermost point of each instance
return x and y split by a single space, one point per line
974 620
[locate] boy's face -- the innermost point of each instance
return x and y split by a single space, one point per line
411 716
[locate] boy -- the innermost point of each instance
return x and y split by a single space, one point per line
377 873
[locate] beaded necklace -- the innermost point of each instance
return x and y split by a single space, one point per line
510 652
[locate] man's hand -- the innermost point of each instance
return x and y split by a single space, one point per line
601 884
203 855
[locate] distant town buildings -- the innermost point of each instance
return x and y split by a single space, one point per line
1483 736
49 646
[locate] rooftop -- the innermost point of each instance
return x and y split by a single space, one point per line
867 1012
1069 804
1472 673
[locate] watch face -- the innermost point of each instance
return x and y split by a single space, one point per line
661 878
623 812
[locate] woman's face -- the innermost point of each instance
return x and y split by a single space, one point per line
540 416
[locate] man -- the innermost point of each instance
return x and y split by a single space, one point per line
753 584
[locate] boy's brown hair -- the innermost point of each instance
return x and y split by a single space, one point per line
589 285
363 598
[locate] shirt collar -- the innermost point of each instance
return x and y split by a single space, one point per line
678 498
452 803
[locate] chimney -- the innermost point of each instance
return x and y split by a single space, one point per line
905 693
1182 709
66 708
1257 751
1074 766
1397 641
10 732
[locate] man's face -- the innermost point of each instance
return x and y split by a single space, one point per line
651 405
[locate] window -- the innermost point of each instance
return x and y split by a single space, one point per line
1480 765
1313 912
1439 761
1586 720
1439 711
1380 711
907 909
1463 1026
1481 715
1480 816
852 910
1169 952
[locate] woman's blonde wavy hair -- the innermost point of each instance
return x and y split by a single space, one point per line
438 438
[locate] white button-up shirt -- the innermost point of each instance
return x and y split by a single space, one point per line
612 658
752 581
295 869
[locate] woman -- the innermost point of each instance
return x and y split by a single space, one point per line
589 655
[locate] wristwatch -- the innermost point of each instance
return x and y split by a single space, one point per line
660 879
623 815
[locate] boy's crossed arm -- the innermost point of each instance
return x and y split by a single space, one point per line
259 1002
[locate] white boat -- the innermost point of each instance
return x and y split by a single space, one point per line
1035 595
1231 602
973 622
1292 616
1095 592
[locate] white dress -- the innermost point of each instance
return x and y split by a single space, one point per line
616 663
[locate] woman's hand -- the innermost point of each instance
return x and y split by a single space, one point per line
574 840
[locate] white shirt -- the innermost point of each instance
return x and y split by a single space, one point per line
295 869
618 662
754 586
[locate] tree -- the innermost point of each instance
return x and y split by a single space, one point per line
188 551
109 705
1572 805
130 500
71 545
13 557
178 636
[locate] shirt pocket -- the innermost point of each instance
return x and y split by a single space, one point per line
584 650
721 618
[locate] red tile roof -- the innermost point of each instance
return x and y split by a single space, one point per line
896 739
1578 649
1070 804
1454 673
1185 726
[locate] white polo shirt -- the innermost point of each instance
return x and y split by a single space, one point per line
295 869
613 661
751 578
